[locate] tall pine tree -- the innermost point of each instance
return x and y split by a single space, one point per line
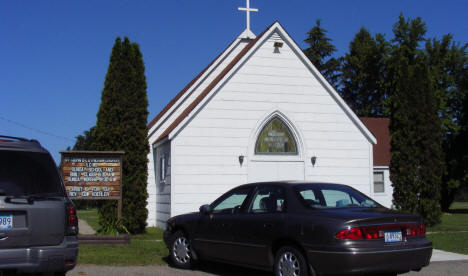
121 125
363 74
416 164
448 63
320 53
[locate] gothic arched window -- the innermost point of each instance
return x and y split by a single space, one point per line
276 139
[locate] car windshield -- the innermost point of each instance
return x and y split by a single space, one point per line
28 174
333 196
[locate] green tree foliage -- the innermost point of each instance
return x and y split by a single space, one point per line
121 125
416 148
459 148
363 74
320 53
85 141
448 64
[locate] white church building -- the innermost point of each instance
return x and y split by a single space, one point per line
260 111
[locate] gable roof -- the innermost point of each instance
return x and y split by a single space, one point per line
207 90
379 127
225 73
186 88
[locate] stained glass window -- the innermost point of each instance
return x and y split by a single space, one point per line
276 138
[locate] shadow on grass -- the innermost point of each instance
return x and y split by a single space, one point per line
458 211
222 269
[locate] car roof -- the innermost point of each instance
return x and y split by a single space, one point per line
289 183
10 143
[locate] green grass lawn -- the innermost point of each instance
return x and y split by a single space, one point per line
452 242
145 249
90 216
449 235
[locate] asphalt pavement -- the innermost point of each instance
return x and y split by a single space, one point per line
445 268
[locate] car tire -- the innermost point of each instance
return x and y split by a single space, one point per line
180 250
290 262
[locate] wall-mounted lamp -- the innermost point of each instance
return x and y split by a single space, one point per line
278 44
313 159
241 159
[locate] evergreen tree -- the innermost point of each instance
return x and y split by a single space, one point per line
363 74
459 149
320 53
416 163
85 141
121 125
448 62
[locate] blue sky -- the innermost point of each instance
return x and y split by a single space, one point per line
54 54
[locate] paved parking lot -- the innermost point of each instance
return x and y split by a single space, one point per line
449 268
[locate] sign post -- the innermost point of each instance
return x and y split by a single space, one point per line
93 175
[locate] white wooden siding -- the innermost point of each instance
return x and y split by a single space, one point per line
159 203
151 189
386 197
205 152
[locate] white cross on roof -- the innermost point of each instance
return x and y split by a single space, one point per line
247 10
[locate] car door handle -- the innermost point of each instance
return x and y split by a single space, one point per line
226 225
3 236
268 225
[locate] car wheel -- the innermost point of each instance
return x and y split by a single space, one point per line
181 250
290 262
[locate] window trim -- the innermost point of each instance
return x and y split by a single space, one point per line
383 181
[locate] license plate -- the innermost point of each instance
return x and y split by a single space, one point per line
393 236
6 222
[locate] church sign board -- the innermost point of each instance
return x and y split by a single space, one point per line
93 175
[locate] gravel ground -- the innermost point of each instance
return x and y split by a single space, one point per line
451 268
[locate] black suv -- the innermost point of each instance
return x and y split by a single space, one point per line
38 223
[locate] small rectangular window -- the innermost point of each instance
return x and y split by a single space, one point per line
379 186
162 167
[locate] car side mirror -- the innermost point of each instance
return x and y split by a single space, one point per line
205 209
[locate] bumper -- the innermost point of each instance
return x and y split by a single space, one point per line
390 260
60 257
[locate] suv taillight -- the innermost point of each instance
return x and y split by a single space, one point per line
71 220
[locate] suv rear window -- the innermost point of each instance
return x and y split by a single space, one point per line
28 173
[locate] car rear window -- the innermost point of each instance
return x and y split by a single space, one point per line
28 173
334 196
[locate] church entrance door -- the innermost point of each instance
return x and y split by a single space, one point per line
275 170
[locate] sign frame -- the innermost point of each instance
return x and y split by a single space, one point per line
94 154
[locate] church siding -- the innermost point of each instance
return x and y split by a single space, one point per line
151 190
206 150
156 130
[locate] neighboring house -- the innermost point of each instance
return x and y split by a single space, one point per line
259 112
383 189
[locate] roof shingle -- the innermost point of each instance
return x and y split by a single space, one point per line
380 129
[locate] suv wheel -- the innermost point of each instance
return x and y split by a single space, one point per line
180 250
290 262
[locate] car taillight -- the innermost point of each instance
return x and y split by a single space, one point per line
350 234
71 220
378 232
415 230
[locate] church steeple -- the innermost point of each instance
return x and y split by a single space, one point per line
248 33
